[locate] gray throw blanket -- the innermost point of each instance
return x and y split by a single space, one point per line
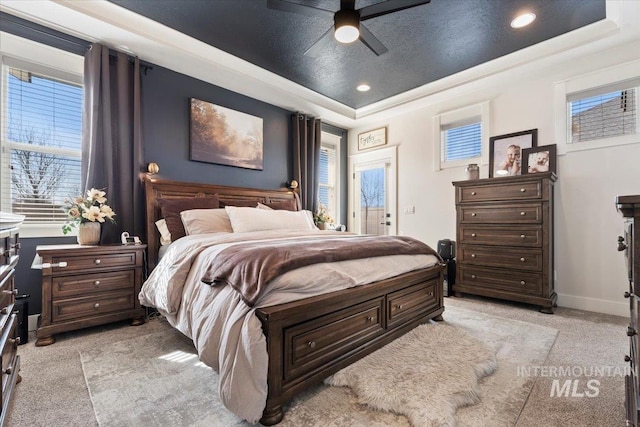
249 267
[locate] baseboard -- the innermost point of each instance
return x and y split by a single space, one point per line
33 322
591 304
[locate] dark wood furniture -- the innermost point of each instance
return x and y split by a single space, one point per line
85 286
505 239
310 339
9 340
629 242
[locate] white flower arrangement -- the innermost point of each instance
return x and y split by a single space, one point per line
321 216
92 208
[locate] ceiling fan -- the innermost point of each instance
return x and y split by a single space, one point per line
347 26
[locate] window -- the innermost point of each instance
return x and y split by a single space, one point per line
41 143
459 136
603 113
329 174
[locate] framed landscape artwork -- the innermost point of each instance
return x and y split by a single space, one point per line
505 152
224 136
539 159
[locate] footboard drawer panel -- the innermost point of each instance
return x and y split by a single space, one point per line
313 343
411 302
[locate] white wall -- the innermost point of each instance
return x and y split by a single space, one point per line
590 272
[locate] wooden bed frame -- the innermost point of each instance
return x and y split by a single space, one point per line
311 339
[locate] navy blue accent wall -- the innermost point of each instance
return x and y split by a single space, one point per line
165 115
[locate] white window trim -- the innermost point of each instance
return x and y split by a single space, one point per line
481 110
332 139
600 78
52 59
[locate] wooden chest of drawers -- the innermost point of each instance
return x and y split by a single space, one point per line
85 286
505 238
9 359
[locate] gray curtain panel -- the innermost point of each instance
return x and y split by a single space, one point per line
307 134
112 151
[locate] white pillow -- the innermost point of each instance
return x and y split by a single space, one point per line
252 219
165 235
265 207
200 221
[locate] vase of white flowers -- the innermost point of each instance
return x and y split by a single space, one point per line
322 218
87 214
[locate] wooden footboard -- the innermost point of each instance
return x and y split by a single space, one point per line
310 339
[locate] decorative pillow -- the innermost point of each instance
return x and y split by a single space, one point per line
288 205
250 219
262 206
165 236
238 203
171 208
200 221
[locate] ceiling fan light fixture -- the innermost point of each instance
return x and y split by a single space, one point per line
523 20
347 26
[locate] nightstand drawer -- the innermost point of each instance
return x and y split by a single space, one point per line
9 346
89 262
501 192
69 286
503 257
92 306
501 279
501 214
522 235
7 292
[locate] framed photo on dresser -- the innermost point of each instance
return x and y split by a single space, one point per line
539 159
505 152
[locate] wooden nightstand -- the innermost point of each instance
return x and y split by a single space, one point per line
85 286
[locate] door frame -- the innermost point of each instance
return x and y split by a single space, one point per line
388 155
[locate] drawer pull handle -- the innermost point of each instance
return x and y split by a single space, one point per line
5 310
430 294
311 344
523 213
473 276
96 305
473 193
473 214
627 358
16 342
97 283
400 306
10 291
522 282
473 234
9 370
60 264
473 255
522 236
522 259
369 319
97 261
523 190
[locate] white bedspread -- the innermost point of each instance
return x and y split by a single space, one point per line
225 331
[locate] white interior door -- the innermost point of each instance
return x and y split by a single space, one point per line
373 192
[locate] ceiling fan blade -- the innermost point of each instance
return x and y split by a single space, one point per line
320 44
388 6
371 41
302 9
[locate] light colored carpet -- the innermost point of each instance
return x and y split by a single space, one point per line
156 380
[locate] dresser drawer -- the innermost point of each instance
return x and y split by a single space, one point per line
7 290
310 344
10 248
501 279
411 302
76 308
522 235
493 256
500 192
9 346
91 262
530 213
69 286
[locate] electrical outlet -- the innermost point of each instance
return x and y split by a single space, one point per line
409 209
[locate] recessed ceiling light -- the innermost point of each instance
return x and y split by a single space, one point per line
523 20
363 87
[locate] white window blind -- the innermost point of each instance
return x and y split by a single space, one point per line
461 140
604 112
41 141
328 174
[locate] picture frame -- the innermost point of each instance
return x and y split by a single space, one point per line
372 138
539 159
505 152
224 136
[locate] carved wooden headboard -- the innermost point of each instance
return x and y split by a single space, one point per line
156 189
